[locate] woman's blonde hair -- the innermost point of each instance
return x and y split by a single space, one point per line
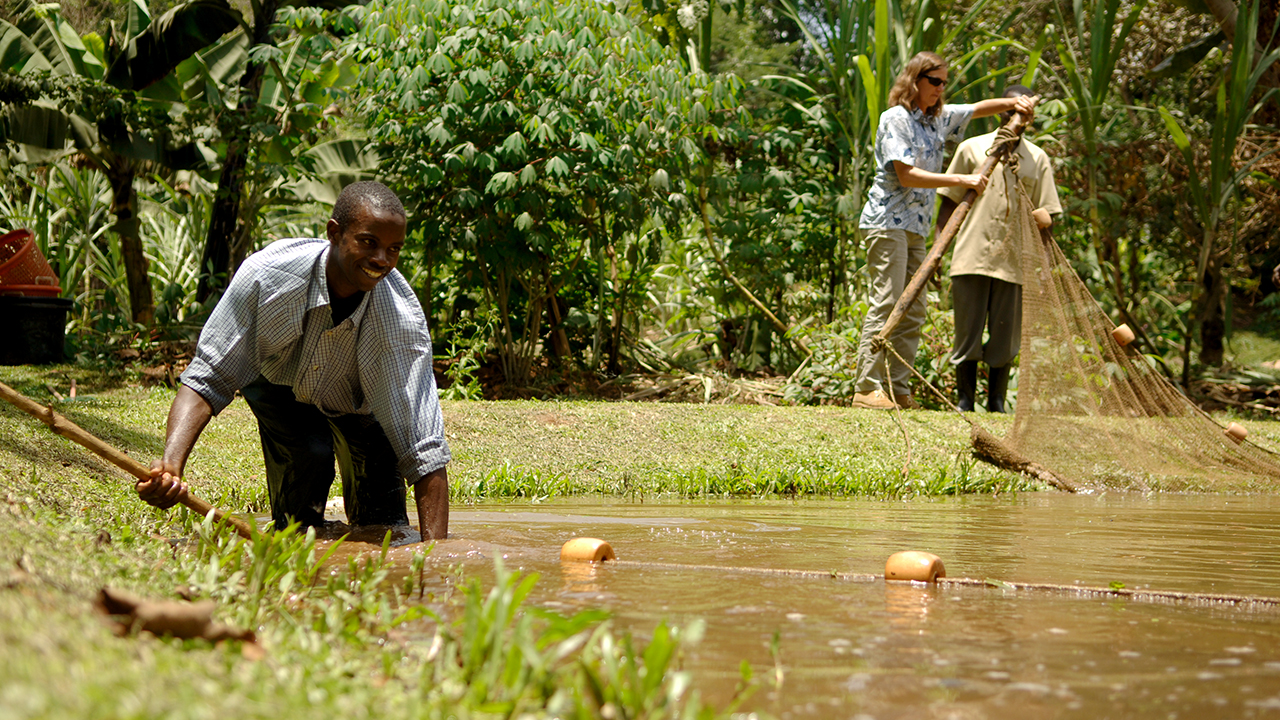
904 88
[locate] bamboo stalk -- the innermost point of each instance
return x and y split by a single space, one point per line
1016 125
60 425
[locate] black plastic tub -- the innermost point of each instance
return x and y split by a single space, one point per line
32 329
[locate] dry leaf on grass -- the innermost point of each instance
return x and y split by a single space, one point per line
184 620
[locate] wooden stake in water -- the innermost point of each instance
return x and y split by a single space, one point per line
60 425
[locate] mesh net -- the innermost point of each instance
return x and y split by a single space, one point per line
1099 413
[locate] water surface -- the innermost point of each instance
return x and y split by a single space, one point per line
893 650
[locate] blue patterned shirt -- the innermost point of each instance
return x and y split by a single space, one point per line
912 139
275 321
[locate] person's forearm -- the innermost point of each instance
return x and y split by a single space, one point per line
188 416
431 494
913 177
993 106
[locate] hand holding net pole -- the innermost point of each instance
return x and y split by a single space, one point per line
1005 143
60 425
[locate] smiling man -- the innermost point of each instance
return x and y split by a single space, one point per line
329 346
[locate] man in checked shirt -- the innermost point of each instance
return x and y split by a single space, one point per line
329 346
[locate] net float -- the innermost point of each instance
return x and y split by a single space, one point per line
1042 217
1236 432
586 549
1123 334
914 565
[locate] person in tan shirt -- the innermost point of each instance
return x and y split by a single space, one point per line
986 268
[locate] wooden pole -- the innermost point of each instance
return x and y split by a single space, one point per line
1016 125
60 425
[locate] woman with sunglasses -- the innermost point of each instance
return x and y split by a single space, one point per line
910 144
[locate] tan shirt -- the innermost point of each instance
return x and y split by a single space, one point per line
984 245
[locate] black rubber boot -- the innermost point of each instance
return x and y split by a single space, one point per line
966 384
997 384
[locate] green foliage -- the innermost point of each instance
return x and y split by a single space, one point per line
799 479
532 135
1236 102
468 342
555 159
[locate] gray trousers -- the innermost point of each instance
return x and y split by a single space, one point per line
893 256
982 301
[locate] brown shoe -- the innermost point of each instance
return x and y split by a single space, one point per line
906 403
874 400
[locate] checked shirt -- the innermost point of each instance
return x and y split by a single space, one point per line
275 321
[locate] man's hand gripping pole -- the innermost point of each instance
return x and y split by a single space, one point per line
60 425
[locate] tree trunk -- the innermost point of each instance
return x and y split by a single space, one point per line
124 206
215 262
559 338
1212 322
1224 12
615 329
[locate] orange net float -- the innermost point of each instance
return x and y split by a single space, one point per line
1236 432
586 549
1123 334
914 565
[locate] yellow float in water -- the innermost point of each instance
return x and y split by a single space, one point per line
586 549
914 565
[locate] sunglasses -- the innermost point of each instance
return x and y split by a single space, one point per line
936 82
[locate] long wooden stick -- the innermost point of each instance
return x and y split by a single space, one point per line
60 425
1016 124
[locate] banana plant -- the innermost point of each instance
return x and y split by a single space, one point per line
1214 183
275 80
855 52
111 100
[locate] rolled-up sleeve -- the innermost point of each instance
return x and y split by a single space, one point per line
1047 197
227 355
955 119
894 141
401 390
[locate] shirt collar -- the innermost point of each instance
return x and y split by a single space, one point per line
927 120
318 295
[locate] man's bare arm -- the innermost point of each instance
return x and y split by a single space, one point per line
188 416
431 494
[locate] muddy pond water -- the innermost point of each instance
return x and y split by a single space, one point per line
871 649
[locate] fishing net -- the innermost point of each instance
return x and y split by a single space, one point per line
1098 413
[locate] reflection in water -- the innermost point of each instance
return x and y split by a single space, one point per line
901 650
907 605
581 579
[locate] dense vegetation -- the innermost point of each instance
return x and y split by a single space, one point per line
598 189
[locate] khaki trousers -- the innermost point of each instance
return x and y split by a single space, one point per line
893 256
